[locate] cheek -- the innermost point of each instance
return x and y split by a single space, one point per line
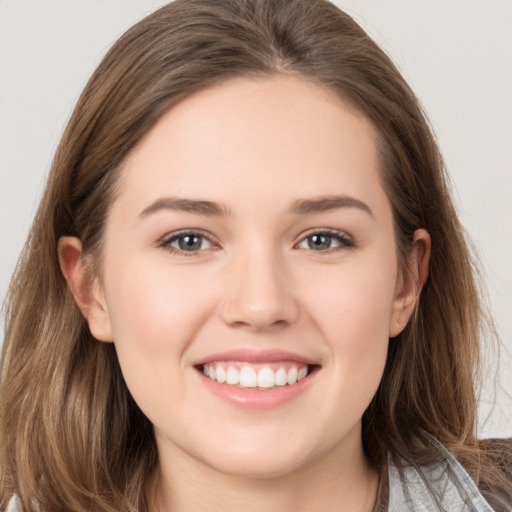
352 305
352 309
151 306
155 315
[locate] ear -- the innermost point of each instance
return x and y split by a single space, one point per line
410 282
86 290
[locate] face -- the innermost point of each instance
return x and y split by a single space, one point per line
251 240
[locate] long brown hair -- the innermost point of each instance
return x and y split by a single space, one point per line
71 436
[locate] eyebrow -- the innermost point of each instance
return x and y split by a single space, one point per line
198 207
213 209
327 203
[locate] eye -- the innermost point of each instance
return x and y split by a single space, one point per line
187 242
327 240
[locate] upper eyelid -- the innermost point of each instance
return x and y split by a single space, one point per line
206 234
325 231
188 231
332 231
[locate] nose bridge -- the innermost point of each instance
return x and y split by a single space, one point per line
258 291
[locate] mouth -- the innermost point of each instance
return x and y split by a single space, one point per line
257 379
260 376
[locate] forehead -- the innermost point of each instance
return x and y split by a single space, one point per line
267 139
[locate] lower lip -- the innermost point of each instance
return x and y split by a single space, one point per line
251 398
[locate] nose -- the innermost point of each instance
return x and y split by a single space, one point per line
259 295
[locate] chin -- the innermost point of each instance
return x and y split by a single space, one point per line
257 467
262 459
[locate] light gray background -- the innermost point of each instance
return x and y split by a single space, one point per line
455 54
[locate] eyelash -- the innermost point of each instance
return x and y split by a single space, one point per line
166 242
344 240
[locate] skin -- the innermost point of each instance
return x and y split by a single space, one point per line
255 282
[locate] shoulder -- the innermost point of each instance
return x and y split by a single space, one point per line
442 485
14 505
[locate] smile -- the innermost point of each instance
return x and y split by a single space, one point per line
263 377
257 379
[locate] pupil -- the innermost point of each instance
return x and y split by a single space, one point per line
188 243
319 242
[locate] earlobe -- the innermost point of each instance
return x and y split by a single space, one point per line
86 290
410 282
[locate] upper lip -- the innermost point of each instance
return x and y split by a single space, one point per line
255 356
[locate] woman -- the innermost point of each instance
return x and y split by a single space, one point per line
246 286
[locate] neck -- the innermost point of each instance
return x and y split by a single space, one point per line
340 480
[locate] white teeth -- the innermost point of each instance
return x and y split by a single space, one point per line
232 376
221 374
266 378
302 373
292 375
249 377
281 377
